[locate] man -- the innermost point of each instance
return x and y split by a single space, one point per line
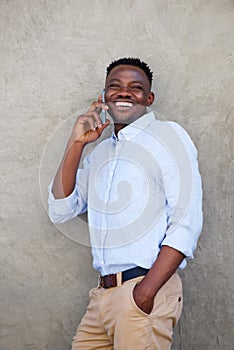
142 190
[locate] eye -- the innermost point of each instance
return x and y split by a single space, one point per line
136 87
114 86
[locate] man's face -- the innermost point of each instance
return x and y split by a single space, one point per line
127 93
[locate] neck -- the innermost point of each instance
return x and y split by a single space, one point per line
118 127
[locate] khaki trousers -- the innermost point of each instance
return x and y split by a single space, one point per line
113 320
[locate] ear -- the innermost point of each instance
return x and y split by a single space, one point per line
150 99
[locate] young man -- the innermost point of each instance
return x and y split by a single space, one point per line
142 190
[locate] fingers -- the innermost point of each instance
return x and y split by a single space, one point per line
102 127
95 111
93 120
98 106
90 121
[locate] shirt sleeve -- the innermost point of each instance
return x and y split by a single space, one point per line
183 191
64 209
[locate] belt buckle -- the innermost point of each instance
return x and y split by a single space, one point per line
109 281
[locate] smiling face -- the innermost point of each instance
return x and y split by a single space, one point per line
127 93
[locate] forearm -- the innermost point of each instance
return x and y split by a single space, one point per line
166 264
65 178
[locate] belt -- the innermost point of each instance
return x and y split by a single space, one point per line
116 279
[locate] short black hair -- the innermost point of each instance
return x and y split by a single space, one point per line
131 61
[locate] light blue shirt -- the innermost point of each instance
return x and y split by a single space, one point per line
142 190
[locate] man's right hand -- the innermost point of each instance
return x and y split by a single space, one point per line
88 126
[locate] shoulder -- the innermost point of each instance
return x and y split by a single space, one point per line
171 132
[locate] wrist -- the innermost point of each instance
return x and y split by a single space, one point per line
148 288
74 144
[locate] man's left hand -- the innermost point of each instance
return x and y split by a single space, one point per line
143 300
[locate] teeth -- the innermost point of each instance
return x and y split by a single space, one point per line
123 104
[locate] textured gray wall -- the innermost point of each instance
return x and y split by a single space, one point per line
52 63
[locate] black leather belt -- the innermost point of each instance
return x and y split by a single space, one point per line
116 279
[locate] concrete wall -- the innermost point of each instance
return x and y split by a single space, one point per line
52 64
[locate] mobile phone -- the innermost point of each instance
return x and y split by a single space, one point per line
103 114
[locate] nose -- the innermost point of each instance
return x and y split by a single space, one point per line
124 91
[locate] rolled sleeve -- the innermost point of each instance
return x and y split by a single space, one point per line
64 209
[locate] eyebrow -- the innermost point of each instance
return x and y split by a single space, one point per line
132 82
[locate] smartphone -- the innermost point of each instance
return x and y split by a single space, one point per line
103 114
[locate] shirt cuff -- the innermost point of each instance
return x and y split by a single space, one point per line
182 241
61 206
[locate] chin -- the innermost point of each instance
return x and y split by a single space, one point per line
127 117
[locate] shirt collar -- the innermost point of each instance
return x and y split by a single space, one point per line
130 131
